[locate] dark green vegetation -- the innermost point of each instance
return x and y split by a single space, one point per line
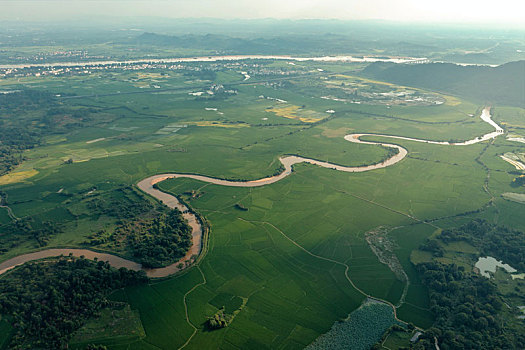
473 311
218 321
160 241
123 203
155 238
226 314
499 85
28 229
286 259
519 181
491 240
48 301
468 311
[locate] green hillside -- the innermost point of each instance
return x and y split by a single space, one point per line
504 84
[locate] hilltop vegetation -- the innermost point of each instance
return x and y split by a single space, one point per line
499 85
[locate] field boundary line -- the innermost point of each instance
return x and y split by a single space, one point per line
347 267
381 205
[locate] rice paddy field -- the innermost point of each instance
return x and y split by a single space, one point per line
296 261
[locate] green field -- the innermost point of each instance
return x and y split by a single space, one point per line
118 324
298 255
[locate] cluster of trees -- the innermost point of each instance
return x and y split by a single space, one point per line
155 236
96 347
24 100
240 207
27 228
218 321
497 241
518 181
159 241
50 300
391 152
466 307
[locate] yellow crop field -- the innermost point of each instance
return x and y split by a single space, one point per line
296 112
15 177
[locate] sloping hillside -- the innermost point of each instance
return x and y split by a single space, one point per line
504 84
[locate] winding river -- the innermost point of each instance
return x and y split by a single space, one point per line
147 185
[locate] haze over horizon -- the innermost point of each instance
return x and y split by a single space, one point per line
507 12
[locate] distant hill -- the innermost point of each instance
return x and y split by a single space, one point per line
504 84
284 44
289 44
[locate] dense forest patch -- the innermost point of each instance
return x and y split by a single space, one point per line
473 312
49 300
500 242
155 240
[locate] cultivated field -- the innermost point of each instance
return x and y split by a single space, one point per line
293 253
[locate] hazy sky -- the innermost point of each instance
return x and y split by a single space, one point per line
499 11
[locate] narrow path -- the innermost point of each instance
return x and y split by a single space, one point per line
186 308
346 266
